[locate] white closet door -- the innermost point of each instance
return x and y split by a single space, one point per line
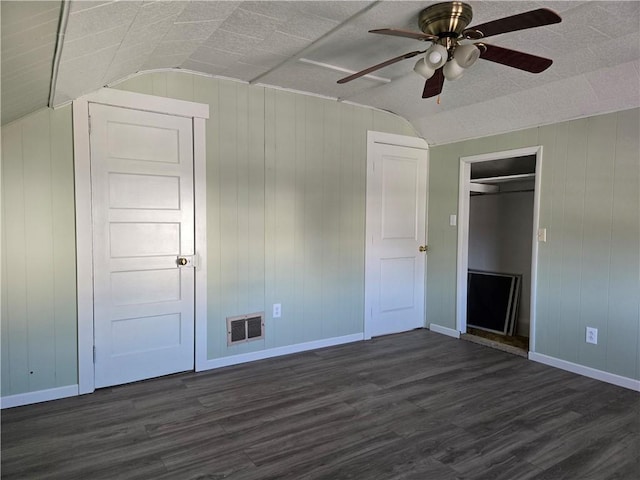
143 221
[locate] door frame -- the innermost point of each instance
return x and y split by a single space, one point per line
374 138
84 231
463 233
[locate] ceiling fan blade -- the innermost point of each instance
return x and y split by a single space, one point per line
405 33
515 59
522 21
380 65
433 86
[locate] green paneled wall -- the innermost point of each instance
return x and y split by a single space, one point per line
285 222
285 215
285 206
39 343
589 268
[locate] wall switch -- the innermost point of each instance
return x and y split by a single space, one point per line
542 234
592 335
453 220
277 310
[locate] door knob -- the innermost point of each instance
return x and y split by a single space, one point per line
187 261
423 248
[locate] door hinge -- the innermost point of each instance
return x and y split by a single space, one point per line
94 354
89 124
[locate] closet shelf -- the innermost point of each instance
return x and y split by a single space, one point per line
503 179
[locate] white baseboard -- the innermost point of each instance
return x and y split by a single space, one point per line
594 373
450 332
39 396
278 351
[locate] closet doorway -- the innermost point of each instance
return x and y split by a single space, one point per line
498 238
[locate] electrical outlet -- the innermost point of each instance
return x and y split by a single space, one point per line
277 310
592 335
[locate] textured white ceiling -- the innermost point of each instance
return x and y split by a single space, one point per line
596 53
28 41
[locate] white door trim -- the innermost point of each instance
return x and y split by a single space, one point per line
463 233
84 232
374 138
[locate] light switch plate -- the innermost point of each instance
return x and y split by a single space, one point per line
453 220
542 234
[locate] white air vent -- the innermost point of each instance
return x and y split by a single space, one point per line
245 328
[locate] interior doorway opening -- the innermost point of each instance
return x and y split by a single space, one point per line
497 249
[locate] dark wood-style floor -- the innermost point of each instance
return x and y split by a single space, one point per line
415 406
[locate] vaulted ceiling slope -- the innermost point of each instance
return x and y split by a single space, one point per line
308 45
28 36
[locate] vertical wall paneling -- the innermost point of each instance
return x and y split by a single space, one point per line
39 246
206 90
229 198
568 318
256 200
556 227
363 121
596 252
388 122
348 251
158 84
5 375
242 194
588 270
297 310
282 214
313 233
332 274
547 336
623 316
273 327
15 370
139 84
64 264
443 201
286 176
179 86
38 254
590 203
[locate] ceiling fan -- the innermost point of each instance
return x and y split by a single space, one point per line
445 26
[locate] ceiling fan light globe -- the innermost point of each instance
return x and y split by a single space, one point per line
466 55
436 56
423 68
452 70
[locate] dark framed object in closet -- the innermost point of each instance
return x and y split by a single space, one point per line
492 301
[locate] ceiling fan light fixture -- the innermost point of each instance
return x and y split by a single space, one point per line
452 70
466 55
436 55
423 68
445 25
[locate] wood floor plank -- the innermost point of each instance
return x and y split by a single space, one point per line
410 406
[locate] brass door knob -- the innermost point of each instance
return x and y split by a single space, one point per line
182 261
423 248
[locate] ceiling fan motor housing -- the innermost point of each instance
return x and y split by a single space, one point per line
448 19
